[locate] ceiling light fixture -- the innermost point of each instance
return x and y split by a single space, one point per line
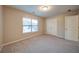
44 8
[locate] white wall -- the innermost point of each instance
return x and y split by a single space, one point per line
61 26
1 26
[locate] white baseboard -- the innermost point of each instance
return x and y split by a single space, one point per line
19 40
62 38
0 49
56 36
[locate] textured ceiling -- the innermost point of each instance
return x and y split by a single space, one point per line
55 9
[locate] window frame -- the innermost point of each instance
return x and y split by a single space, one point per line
30 25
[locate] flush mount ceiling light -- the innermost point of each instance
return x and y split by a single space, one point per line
44 8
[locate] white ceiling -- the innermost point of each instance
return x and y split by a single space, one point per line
55 9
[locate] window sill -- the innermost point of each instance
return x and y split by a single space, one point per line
30 32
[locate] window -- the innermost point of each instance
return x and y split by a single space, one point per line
30 25
34 25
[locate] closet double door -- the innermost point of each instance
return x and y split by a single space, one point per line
71 27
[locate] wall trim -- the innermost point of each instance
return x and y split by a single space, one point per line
56 36
19 40
62 38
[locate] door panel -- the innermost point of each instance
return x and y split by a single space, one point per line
71 28
51 26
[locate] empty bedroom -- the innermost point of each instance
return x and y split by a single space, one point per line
39 28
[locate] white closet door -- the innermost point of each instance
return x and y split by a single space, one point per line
51 26
71 28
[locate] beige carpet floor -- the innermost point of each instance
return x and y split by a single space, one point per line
43 44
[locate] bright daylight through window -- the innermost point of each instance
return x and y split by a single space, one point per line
30 25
